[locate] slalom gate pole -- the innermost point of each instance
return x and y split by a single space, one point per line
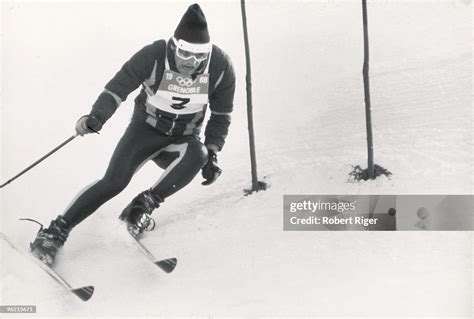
365 73
253 157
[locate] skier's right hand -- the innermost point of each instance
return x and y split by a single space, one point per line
88 124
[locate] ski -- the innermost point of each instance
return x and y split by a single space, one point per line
84 293
167 265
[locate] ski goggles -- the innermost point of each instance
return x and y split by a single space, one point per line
187 51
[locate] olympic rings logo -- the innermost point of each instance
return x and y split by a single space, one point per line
184 81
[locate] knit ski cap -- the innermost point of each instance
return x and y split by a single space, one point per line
193 26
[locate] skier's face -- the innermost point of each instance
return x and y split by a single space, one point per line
189 56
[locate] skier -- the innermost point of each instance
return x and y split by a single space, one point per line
179 78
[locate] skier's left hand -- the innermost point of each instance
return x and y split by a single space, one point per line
210 171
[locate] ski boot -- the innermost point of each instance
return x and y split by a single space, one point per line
49 240
137 213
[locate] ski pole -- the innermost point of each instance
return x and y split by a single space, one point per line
38 161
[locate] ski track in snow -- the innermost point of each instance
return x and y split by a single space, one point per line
233 257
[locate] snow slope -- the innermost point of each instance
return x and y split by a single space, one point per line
233 256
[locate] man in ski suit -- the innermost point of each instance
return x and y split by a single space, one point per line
179 78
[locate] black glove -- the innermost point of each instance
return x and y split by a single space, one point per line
88 124
210 171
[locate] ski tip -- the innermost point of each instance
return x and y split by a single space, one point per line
85 293
167 265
